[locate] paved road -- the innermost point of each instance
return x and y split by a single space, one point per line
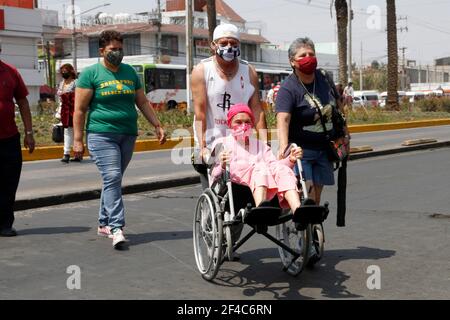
47 178
391 204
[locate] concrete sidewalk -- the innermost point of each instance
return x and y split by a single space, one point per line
50 182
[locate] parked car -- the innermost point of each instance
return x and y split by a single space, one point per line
414 96
365 98
383 98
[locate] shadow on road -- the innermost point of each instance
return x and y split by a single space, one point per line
137 239
54 230
262 276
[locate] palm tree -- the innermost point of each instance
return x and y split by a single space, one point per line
392 95
341 8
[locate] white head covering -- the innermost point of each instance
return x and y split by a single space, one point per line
226 30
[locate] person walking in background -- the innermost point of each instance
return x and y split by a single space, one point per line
276 88
12 88
349 94
107 92
66 94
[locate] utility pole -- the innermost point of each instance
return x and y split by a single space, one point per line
189 56
403 68
64 15
212 19
158 45
350 16
49 69
360 70
420 73
74 41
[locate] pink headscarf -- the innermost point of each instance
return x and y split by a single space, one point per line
238 108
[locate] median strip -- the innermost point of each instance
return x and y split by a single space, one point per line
417 141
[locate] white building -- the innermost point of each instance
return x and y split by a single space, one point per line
20 35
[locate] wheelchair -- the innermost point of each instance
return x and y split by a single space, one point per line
222 211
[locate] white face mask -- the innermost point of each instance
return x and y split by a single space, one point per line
228 53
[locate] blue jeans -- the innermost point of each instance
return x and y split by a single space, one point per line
317 168
112 153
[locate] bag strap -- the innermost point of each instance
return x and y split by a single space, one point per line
318 110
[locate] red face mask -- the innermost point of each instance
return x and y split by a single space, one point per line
307 65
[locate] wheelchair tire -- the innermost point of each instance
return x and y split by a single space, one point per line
229 239
208 235
317 245
296 240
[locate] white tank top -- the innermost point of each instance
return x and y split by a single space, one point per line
221 95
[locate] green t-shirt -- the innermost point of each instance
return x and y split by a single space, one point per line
112 108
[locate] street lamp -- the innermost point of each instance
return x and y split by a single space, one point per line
74 42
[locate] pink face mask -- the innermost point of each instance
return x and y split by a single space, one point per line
242 131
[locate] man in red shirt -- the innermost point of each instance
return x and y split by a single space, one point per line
12 88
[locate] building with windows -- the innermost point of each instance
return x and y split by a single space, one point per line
21 28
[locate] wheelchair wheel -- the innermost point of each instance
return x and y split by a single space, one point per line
296 240
317 246
229 247
208 235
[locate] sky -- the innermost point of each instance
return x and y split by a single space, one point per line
424 25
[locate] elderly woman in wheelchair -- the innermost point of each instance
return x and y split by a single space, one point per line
248 185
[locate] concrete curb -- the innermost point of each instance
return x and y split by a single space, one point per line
379 153
184 181
95 193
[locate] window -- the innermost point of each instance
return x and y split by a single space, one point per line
178 20
93 48
248 51
169 45
201 23
132 45
165 79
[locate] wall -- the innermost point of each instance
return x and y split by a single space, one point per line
23 29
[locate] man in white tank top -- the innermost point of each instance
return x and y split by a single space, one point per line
219 82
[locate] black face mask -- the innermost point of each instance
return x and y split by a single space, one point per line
114 57
65 75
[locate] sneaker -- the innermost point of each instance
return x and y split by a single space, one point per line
8 232
66 158
104 231
76 159
118 238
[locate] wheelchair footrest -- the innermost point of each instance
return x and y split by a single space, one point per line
267 216
313 214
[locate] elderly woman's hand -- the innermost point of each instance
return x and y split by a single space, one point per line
296 153
224 157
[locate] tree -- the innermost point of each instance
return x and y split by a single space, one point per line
392 85
341 8
375 65
212 22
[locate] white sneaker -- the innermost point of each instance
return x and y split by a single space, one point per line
118 238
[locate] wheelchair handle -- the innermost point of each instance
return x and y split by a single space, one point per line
299 168
230 189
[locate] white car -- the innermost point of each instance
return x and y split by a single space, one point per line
383 97
365 99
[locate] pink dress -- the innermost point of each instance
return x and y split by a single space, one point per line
257 167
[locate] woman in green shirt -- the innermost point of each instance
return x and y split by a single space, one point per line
107 93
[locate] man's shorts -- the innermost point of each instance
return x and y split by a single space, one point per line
317 168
